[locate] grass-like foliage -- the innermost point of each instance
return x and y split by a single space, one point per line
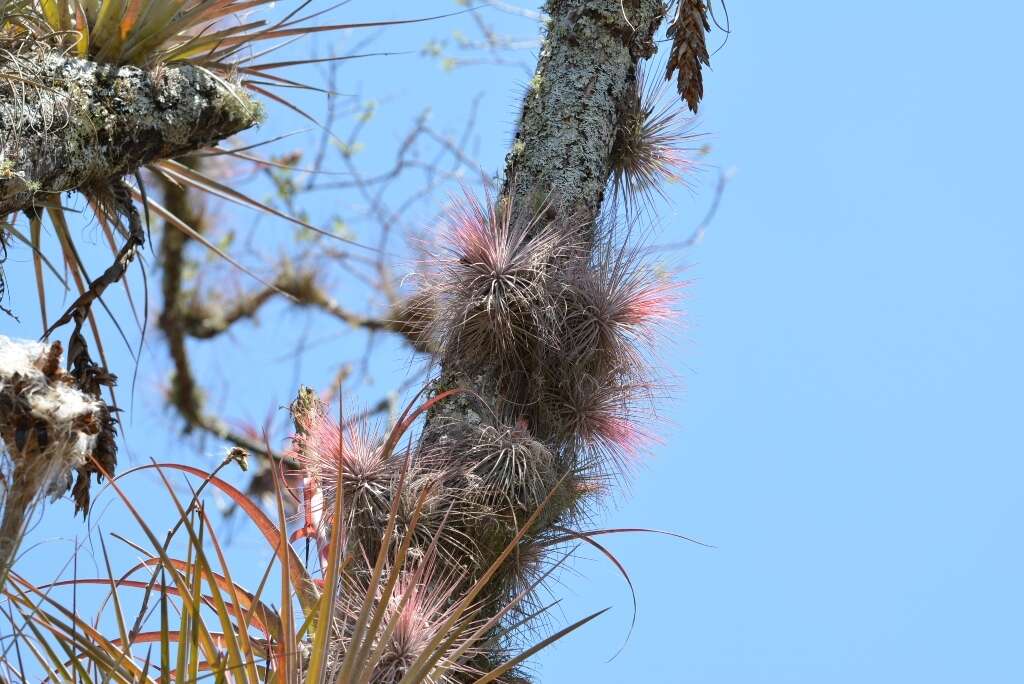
213 33
401 614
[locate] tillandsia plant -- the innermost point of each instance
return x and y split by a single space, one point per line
654 144
541 316
349 616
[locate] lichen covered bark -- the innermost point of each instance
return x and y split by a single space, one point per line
563 145
68 123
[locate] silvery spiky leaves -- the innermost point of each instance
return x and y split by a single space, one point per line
598 380
653 144
514 470
353 460
567 334
491 286
415 615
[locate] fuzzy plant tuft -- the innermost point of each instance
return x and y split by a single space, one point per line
570 335
489 283
419 612
351 462
653 144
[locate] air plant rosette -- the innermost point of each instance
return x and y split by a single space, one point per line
568 331
655 145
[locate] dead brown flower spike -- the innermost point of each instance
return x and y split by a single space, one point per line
689 50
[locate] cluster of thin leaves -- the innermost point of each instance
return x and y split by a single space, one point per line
653 144
388 619
568 328
217 34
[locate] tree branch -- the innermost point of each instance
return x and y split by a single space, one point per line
204 321
67 123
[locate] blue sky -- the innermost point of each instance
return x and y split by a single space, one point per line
845 431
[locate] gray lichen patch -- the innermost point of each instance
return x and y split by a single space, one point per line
564 140
66 123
